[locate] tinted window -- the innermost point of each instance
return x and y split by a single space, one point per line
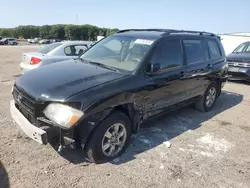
168 54
194 50
213 49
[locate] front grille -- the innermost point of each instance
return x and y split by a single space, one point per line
238 64
28 106
26 102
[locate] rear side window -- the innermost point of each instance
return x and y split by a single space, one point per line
195 51
168 54
75 50
213 49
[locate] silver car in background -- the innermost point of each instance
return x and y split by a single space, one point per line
53 53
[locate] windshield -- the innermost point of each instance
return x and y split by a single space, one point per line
47 48
119 52
243 48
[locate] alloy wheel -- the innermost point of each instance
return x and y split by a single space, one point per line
114 140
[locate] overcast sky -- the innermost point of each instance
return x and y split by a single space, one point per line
220 16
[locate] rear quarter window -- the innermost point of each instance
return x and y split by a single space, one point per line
213 48
49 47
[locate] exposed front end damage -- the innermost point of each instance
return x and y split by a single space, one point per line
45 132
37 134
29 115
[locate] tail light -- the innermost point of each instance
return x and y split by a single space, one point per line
35 61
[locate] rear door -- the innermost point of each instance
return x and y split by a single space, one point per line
166 87
198 65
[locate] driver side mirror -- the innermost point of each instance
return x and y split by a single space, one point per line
153 68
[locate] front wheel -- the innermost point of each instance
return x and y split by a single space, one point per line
208 100
110 139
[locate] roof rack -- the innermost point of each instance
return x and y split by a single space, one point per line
191 32
159 30
170 31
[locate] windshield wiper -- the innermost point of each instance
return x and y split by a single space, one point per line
103 66
98 64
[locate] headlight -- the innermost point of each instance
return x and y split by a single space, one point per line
63 115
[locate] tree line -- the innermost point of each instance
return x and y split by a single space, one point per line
59 31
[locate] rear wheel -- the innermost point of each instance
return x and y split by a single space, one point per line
208 100
110 139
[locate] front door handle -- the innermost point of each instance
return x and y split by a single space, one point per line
209 65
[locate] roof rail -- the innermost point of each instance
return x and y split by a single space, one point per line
190 32
170 31
160 30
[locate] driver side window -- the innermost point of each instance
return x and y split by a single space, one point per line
168 54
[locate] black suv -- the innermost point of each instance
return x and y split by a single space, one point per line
99 99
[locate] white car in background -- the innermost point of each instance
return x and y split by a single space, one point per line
33 41
53 53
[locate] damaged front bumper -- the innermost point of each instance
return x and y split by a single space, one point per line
30 130
42 134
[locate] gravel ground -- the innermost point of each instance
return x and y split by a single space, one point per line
187 148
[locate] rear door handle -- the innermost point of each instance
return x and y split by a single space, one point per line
209 66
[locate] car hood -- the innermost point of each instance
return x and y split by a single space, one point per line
57 82
242 57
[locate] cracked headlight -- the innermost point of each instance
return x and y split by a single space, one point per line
62 114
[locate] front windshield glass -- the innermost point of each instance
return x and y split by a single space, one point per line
124 53
243 48
47 48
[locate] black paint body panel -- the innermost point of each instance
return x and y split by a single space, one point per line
140 94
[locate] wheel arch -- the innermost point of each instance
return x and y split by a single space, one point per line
88 126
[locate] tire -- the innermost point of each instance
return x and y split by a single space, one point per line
98 140
203 104
219 90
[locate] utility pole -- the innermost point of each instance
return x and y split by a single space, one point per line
76 19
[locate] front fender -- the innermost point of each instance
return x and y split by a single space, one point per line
98 111
86 126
